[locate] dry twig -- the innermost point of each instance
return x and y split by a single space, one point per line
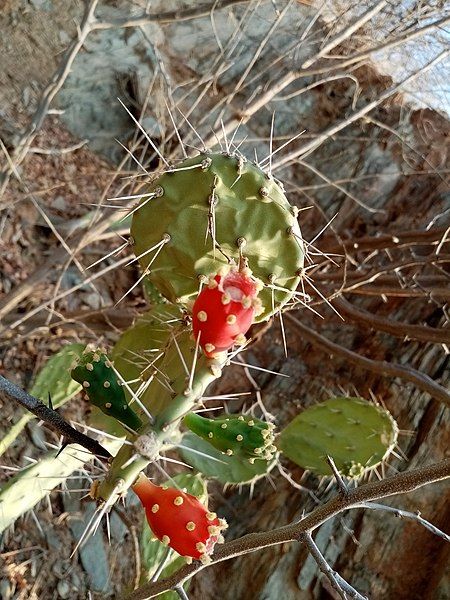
9 392
421 380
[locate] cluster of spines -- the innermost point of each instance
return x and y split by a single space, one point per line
236 435
179 520
96 374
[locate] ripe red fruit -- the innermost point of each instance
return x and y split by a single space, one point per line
224 310
180 520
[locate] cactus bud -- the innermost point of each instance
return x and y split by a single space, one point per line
95 373
224 312
180 519
238 435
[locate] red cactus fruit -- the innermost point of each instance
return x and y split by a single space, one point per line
224 310
180 520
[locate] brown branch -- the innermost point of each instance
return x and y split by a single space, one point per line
380 242
99 321
441 293
421 380
169 16
356 115
404 514
9 392
339 584
423 333
397 484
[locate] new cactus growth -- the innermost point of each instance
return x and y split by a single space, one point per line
229 470
224 309
179 520
233 205
357 434
96 374
236 435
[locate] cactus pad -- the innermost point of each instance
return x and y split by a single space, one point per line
32 484
235 435
226 469
220 197
95 373
143 341
357 434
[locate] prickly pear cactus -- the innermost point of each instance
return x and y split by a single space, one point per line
141 344
227 469
95 372
211 210
357 434
236 435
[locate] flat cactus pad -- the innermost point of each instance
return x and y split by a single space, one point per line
213 209
357 434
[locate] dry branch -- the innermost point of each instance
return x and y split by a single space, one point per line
422 333
421 380
9 392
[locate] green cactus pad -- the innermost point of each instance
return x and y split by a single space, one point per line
160 337
235 435
247 204
357 434
227 469
95 373
32 484
143 341
54 378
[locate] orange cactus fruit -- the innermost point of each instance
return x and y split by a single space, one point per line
179 520
225 309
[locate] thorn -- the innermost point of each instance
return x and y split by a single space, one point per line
64 444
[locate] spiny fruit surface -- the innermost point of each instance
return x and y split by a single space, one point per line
225 309
222 198
179 520
95 373
235 435
357 434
